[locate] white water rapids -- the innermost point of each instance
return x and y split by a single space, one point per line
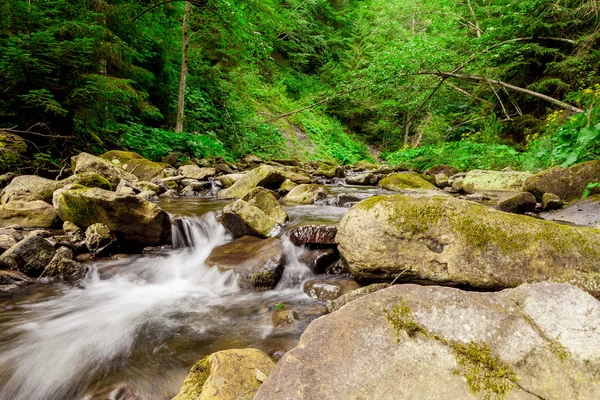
141 322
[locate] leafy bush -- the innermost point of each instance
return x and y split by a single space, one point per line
155 143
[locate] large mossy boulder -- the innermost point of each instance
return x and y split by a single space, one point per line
33 187
259 262
30 256
227 375
305 194
192 171
130 218
567 183
142 168
85 162
405 181
538 341
482 180
258 213
12 147
265 176
448 241
28 214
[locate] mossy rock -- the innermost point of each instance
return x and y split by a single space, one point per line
30 256
482 180
12 147
226 375
443 240
85 162
33 187
364 165
241 218
305 194
330 172
133 220
28 214
259 262
567 183
134 163
192 171
264 176
298 178
287 185
229 179
405 181
431 342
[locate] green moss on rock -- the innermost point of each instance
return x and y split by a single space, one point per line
405 181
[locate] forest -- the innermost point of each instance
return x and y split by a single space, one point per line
474 83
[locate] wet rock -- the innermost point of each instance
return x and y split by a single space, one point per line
28 214
265 176
144 186
171 193
32 187
550 201
6 242
116 392
346 298
63 267
318 260
229 374
298 178
567 183
259 262
329 172
187 191
142 168
366 178
85 162
476 197
98 237
30 256
443 240
192 171
519 203
405 181
258 213
421 342
340 267
148 195
441 169
583 212
133 220
481 180
329 288
314 235
283 315
287 185
305 194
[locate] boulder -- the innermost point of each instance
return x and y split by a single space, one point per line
258 213
583 212
32 187
481 180
64 268
30 256
364 165
441 181
267 203
298 178
147 186
85 162
550 201
344 299
305 194
283 315
192 171
314 235
229 179
12 278
537 341
12 147
366 178
405 181
97 237
518 203
227 375
28 214
443 240
329 288
259 262
329 172
441 169
567 183
287 185
132 219
142 168
6 242
265 176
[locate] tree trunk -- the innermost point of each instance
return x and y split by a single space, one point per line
184 68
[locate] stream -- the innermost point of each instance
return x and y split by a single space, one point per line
139 323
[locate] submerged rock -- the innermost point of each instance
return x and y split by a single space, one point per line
227 375
30 256
265 176
482 180
142 168
259 262
567 183
283 315
85 162
329 288
305 194
132 219
405 181
28 214
443 240
421 342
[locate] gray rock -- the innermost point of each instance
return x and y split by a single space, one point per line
30 256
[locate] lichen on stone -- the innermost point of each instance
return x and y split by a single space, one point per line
400 317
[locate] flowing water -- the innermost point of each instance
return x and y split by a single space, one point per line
143 321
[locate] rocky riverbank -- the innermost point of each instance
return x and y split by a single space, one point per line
505 309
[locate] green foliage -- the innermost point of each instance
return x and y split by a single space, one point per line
589 188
